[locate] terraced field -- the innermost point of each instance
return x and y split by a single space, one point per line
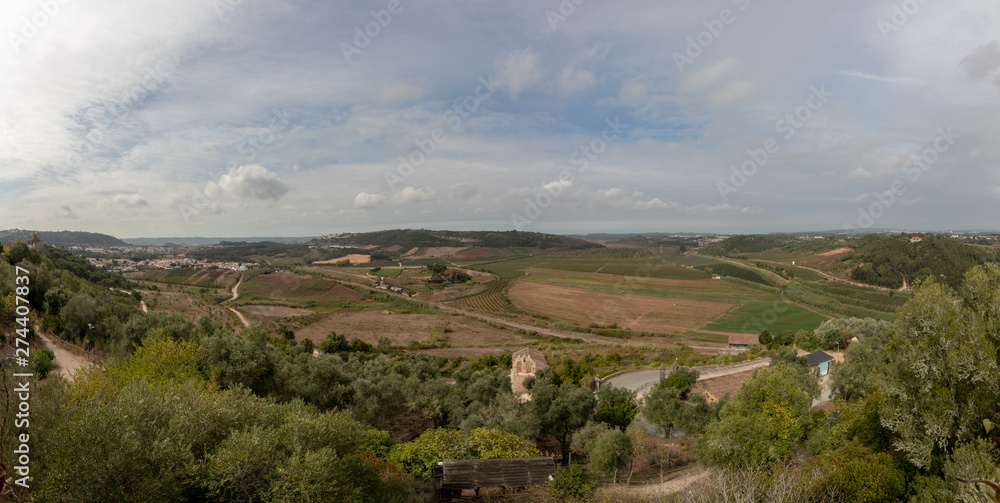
492 300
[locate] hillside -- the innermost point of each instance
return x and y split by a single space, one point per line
423 237
890 261
61 238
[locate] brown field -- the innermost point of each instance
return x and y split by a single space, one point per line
830 256
636 312
342 293
444 251
474 252
354 258
403 328
412 251
271 313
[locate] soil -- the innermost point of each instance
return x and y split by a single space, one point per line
403 328
636 312
474 252
271 313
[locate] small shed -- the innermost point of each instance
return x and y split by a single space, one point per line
508 472
743 341
820 360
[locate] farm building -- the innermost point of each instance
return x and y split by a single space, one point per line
820 360
525 363
472 474
743 341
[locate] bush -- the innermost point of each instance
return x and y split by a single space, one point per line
41 362
573 483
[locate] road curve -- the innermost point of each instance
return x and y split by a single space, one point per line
641 380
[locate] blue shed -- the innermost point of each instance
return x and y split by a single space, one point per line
821 360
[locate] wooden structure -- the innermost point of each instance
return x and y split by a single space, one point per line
743 341
508 473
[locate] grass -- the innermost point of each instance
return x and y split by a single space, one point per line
754 317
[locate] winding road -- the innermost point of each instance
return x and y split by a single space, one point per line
235 296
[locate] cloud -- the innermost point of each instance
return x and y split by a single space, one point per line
410 195
519 71
572 80
398 92
129 200
983 62
859 172
65 212
618 198
252 181
908 81
366 200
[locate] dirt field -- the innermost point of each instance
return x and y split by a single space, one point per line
474 252
443 251
344 294
354 258
635 312
830 256
271 313
403 328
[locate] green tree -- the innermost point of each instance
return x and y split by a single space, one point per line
761 423
611 453
683 379
663 407
615 406
835 333
863 363
573 483
560 408
942 376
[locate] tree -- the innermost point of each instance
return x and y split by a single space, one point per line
459 276
683 379
615 406
766 417
560 408
662 407
611 453
863 363
942 376
573 483
765 338
835 333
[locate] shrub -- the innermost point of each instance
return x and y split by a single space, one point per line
573 483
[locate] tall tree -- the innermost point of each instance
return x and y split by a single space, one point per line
560 408
942 376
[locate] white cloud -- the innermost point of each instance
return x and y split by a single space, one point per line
518 71
366 200
859 172
129 200
909 81
410 195
252 181
572 80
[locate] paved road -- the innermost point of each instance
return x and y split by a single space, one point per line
642 380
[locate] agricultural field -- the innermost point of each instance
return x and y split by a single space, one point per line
491 300
202 278
754 317
292 287
404 329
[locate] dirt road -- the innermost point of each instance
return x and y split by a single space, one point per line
236 295
66 363
679 481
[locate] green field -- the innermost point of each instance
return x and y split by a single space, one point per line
753 317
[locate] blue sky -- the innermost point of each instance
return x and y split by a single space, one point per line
252 117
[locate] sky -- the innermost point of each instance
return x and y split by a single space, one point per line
230 118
